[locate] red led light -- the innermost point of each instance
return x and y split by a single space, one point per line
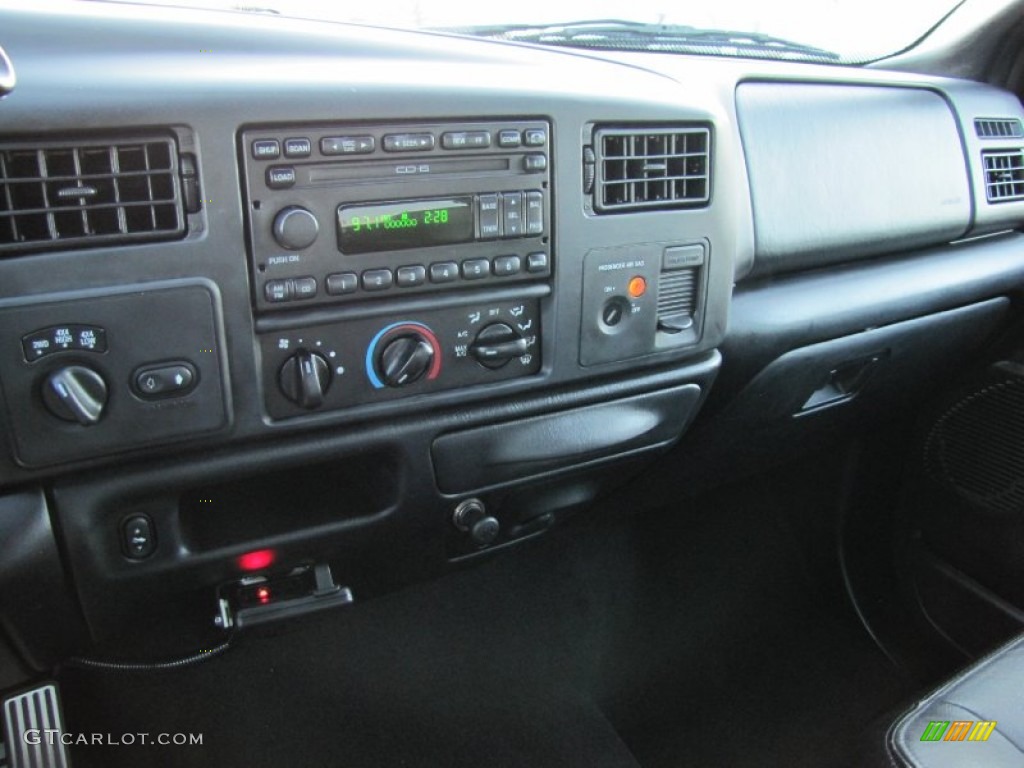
256 560
263 595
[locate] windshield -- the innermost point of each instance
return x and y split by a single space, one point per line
849 31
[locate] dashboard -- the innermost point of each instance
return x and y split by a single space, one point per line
336 308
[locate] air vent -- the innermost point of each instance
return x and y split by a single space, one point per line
88 193
998 127
652 168
1004 175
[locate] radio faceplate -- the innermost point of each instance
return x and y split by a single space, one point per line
342 213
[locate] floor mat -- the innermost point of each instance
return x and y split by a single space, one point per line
711 633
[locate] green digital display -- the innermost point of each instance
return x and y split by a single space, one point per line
366 228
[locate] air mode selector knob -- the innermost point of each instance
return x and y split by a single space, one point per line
305 378
496 344
405 359
75 393
295 228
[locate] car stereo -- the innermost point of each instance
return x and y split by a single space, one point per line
342 213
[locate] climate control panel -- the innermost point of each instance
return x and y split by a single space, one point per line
366 360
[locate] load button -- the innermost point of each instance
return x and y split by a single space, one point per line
165 380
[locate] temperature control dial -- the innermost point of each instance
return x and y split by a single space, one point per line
405 359
305 378
401 354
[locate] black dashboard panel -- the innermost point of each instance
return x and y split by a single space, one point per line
464 88
872 170
411 270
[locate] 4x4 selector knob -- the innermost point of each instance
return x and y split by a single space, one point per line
295 228
75 393
405 359
305 378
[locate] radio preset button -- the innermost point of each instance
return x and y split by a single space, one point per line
266 149
298 147
342 282
304 287
509 139
474 269
377 279
466 139
409 277
408 142
507 265
278 290
512 213
537 262
347 145
444 272
281 177
534 213
535 162
535 137
490 216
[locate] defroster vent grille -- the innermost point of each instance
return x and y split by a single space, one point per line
1004 175
998 127
84 193
640 168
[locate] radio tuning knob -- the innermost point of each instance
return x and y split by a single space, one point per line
305 378
75 393
405 359
295 228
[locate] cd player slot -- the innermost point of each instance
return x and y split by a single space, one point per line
394 171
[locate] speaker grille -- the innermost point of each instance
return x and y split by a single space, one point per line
976 447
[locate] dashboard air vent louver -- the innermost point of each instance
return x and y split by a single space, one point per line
86 193
1004 175
641 168
998 127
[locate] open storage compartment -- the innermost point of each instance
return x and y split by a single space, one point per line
278 503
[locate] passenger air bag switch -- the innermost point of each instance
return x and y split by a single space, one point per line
137 538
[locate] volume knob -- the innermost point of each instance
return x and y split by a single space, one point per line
295 228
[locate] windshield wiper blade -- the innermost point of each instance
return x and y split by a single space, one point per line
614 34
